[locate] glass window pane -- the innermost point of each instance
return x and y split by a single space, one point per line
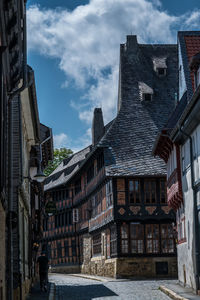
131 186
136 185
133 246
140 246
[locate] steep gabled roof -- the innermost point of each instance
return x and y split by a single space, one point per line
129 141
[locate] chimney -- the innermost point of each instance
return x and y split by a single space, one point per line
131 42
97 126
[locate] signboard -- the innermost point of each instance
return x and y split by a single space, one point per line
50 207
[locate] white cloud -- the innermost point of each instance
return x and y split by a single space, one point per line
193 19
86 42
61 140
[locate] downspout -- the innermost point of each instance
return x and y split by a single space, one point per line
196 236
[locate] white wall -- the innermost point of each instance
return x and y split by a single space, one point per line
171 163
186 250
182 83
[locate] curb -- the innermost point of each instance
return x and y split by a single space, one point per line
89 277
52 291
171 294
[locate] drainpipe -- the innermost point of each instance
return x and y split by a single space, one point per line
195 213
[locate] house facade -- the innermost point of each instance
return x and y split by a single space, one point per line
23 150
112 216
178 144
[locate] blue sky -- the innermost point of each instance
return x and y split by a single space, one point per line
73 47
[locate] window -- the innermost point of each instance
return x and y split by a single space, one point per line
152 238
161 71
163 191
78 186
134 191
100 162
66 248
124 238
70 218
75 215
49 251
137 238
73 248
56 221
167 239
150 191
45 224
59 249
90 173
113 240
180 219
109 194
96 244
147 97
94 205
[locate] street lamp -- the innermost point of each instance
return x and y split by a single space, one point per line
39 177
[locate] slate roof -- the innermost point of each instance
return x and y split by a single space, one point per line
66 169
129 138
129 141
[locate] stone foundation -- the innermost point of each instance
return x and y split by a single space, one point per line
65 269
138 267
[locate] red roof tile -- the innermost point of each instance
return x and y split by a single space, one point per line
193 47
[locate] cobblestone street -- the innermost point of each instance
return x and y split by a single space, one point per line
77 288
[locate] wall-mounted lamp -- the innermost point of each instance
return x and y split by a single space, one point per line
39 177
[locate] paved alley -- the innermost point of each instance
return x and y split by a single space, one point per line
76 288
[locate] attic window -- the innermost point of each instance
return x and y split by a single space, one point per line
147 97
160 66
145 91
161 71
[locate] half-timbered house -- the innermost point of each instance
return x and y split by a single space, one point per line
178 144
112 216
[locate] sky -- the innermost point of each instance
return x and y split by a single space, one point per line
73 47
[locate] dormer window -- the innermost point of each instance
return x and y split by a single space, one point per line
161 71
147 97
159 66
146 92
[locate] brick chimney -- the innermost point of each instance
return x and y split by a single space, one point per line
97 126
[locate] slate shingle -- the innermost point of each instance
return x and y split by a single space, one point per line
131 136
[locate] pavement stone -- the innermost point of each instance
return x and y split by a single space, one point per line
180 292
70 287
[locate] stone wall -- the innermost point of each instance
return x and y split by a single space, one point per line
145 267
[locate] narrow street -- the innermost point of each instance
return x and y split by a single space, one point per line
77 288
